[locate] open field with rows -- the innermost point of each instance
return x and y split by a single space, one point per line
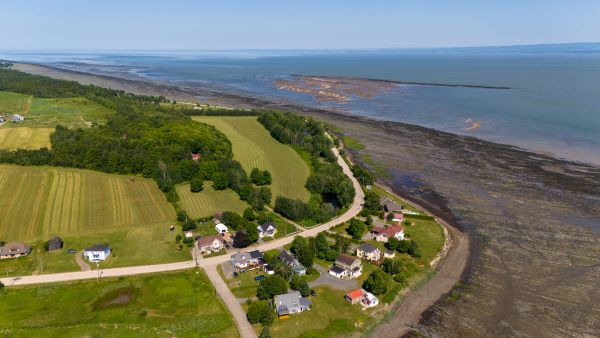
83 207
209 201
25 138
181 304
254 147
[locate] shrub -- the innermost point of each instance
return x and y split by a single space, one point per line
260 312
265 332
377 283
196 184
299 283
391 266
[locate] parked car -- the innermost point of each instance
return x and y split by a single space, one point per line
261 277
71 251
235 274
313 293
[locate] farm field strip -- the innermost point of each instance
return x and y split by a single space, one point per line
208 201
24 137
254 147
40 201
14 102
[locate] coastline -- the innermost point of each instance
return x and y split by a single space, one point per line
516 206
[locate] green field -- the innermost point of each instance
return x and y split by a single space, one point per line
180 304
25 138
13 103
209 201
84 207
254 147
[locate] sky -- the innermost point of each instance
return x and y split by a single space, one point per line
304 24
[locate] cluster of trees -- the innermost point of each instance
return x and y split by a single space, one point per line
407 246
364 176
260 177
356 229
246 232
331 189
327 251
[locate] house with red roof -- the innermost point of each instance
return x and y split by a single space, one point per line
354 297
384 234
195 157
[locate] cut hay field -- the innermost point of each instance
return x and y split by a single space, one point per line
209 201
182 304
84 207
254 147
25 138
13 102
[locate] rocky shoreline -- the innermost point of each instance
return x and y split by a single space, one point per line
532 219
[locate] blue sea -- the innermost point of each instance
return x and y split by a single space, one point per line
552 106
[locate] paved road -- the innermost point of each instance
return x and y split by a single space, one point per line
232 303
326 279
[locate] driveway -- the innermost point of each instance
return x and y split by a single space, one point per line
82 264
326 279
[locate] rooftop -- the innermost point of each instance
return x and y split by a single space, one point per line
208 240
367 248
345 259
98 247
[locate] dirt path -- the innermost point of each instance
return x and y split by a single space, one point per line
416 303
82 264
232 303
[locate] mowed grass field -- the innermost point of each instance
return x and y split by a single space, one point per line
254 147
209 201
14 103
84 207
25 138
181 304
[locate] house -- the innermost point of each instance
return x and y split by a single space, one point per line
97 252
247 260
189 234
221 228
396 217
290 303
346 266
14 250
195 157
266 229
384 234
362 297
368 252
55 244
354 297
17 118
389 254
389 205
289 259
268 269
210 244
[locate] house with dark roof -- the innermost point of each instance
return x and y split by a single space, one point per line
291 261
266 229
17 118
14 250
346 266
368 252
384 234
55 244
290 303
247 260
97 252
389 205
210 244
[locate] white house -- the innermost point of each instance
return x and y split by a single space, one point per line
368 252
221 228
17 118
210 244
97 252
266 230
346 266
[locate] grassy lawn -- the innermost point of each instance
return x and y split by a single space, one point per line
254 147
244 286
84 207
24 137
13 103
330 316
179 304
72 112
209 201
283 227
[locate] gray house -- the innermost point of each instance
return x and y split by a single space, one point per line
14 250
389 205
290 303
55 244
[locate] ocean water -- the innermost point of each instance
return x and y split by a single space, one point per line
552 106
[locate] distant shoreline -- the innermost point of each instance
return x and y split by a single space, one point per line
434 84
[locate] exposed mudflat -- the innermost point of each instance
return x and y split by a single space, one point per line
534 221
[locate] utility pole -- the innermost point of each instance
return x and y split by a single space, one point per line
98 270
